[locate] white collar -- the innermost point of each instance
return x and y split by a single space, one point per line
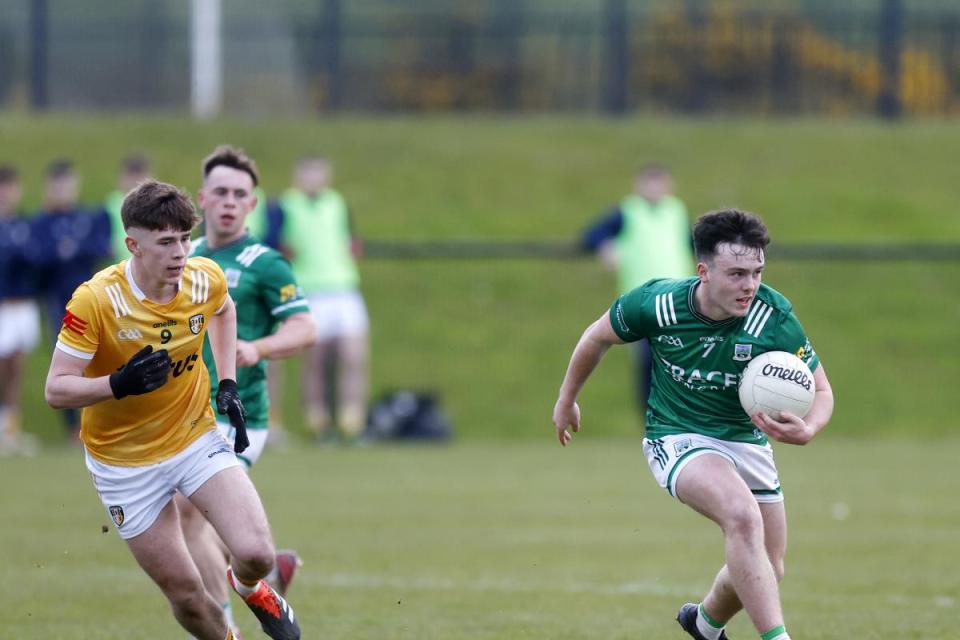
137 291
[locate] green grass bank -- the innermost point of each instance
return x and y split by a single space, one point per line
493 337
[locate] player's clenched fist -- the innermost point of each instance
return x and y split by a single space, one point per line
228 402
146 371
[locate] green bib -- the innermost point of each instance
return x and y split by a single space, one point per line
654 241
317 230
113 204
257 219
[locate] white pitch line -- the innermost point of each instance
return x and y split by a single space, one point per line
354 581
500 585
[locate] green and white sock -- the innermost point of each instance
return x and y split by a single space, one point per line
777 633
707 626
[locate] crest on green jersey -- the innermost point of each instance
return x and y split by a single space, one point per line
742 352
233 277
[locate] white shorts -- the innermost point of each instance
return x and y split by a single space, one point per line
257 438
339 314
134 496
20 320
667 456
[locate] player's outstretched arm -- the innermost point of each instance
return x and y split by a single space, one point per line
593 344
793 429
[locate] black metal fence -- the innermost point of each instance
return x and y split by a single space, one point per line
889 57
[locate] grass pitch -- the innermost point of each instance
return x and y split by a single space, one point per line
487 540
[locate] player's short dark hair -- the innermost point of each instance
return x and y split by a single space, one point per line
8 174
730 226
157 206
60 168
234 157
135 164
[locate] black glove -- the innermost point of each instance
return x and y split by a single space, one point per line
228 402
145 371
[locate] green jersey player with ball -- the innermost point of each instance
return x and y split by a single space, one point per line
700 444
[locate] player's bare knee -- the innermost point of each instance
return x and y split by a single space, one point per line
255 559
745 523
185 594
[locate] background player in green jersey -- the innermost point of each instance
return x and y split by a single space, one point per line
134 169
273 321
699 444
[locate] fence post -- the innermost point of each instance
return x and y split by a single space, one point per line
783 82
617 56
331 38
697 99
890 42
151 92
949 60
509 28
39 48
206 58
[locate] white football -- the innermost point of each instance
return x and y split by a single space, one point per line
777 381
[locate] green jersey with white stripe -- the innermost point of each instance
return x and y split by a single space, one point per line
698 362
265 293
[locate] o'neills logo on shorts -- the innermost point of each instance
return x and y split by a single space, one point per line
791 375
116 512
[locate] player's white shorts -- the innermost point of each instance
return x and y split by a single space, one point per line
667 456
257 438
20 320
134 496
339 314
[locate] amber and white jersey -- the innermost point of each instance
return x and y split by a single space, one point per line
107 321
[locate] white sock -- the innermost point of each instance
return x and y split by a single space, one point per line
244 590
705 625
228 614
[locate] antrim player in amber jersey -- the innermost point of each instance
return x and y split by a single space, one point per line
109 319
699 444
137 329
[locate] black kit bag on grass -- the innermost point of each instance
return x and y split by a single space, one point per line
408 415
